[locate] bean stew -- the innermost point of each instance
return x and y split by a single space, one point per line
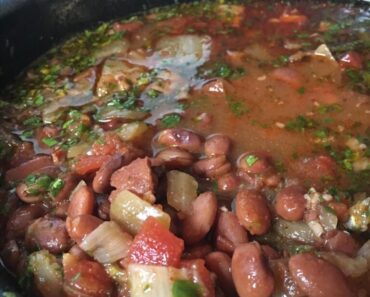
197 150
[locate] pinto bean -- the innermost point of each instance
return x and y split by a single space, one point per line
197 224
81 201
227 183
181 138
103 175
317 277
48 233
212 167
21 218
36 165
229 233
290 203
255 162
220 264
174 158
217 145
252 212
252 277
79 227
22 194
340 241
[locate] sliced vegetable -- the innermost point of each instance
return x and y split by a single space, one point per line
185 288
130 212
155 245
298 231
47 273
155 281
107 243
181 190
130 131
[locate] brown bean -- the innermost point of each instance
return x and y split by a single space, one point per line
197 224
212 167
220 264
11 255
181 138
21 218
174 158
48 233
70 183
21 191
229 233
198 251
252 212
269 252
33 166
81 201
104 209
317 277
228 182
79 227
102 177
340 241
290 203
255 162
252 277
217 144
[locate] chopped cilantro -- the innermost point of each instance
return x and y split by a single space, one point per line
56 186
185 288
153 93
76 277
279 165
26 134
9 294
300 124
250 160
321 133
323 109
223 70
38 100
301 90
49 141
329 209
171 120
33 121
280 61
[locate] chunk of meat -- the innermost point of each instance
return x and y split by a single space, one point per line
136 177
37 165
197 224
48 233
317 277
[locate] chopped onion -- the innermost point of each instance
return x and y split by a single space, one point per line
359 219
130 212
107 243
328 219
47 273
324 51
115 47
184 50
117 273
298 231
153 281
352 267
181 190
77 150
109 113
130 131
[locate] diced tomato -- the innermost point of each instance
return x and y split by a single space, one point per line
155 245
289 76
89 164
85 278
110 145
351 60
200 274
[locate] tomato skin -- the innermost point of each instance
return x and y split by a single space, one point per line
89 164
351 60
85 278
155 245
201 275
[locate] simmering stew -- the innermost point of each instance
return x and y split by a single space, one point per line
197 150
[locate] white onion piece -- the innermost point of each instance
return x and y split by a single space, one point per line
130 131
77 150
328 220
115 47
184 50
107 243
298 231
47 273
352 267
153 281
181 190
324 51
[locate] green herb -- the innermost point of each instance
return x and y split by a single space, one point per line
9 294
76 277
238 108
321 134
299 249
26 134
300 124
223 70
171 120
323 109
334 192
185 288
279 165
153 93
250 160
74 114
49 141
328 209
359 80
55 187
38 100
280 61
33 121
301 90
